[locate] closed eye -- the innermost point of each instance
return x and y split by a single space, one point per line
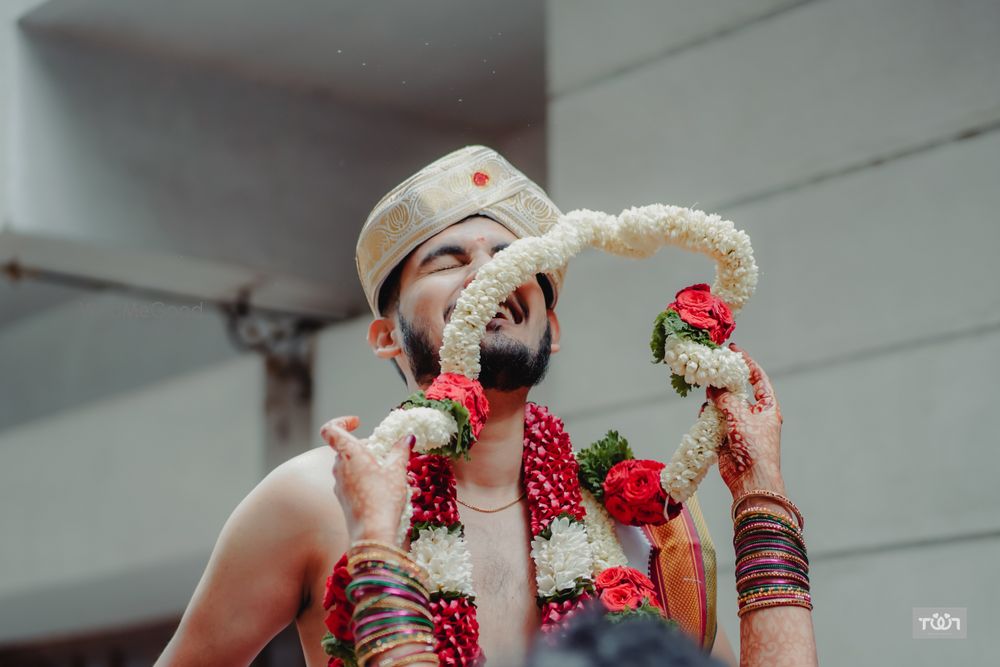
444 268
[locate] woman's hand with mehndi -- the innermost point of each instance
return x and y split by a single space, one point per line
372 495
750 454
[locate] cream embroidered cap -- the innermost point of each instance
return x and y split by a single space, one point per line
474 180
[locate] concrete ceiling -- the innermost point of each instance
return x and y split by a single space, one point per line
468 62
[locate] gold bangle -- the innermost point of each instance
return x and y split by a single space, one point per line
782 517
390 630
416 574
375 544
787 602
793 534
780 499
364 655
394 602
423 656
773 554
390 601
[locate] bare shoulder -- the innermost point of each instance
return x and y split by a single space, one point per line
264 564
303 486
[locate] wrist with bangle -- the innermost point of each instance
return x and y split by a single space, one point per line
772 566
391 606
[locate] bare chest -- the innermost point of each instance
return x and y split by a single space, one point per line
504 579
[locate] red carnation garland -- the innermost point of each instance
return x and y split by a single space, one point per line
550 469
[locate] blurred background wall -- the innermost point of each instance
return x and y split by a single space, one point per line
184 183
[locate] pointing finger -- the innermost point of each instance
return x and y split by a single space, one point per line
337 434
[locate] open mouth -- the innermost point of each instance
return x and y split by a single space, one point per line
510 310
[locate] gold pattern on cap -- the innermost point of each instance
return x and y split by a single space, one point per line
474 180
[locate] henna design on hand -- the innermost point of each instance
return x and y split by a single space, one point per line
372 494
750 455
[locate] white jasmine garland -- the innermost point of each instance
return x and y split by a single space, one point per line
703 365
697 452
637 233
432 428
563 558
576 551
446 557
605 548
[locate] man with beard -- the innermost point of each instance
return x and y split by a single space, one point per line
421 245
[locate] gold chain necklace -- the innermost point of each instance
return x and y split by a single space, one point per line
486 511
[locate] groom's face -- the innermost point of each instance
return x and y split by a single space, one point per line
517 342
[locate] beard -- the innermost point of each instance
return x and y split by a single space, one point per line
506 363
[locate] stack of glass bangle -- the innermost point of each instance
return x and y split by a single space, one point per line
391 606
772 567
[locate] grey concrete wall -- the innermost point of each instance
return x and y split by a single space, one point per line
856 143
110 510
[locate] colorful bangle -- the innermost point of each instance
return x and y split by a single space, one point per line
772 565
382 645
780 499
374 544
773 603
421 656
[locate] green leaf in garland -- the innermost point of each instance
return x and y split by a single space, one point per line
338 648
675 324
463 440
437 596
417 526
580 585
680 385
659 338
597 459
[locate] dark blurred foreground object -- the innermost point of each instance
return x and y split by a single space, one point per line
591 639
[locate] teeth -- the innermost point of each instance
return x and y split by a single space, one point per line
505 312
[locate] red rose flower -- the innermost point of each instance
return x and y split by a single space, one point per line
622 588
700 308
633 494
619 509
467 392
618 597
610 577
638 579
641 595
616 478
643 483
335 662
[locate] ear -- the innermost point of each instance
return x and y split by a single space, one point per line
554 323
382 338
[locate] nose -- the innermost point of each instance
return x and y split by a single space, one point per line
477 262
